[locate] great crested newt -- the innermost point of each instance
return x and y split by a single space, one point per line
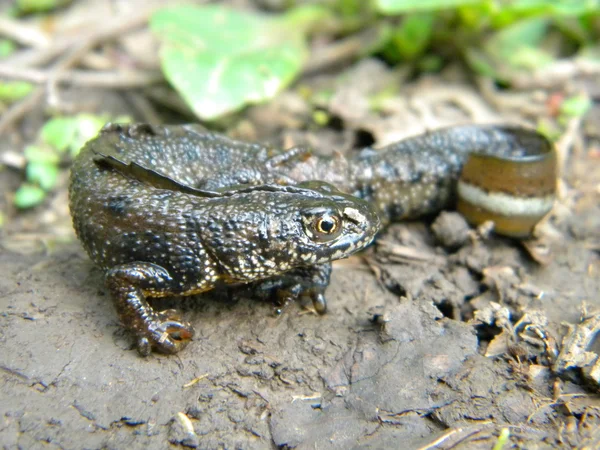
179 210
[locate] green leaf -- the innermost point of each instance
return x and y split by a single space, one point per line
28 196
524 33
412 37
514 48
70 133
43 174
35 6
481 63
87 126
11 91
220 59
7 48
393 7
59 132
43 154
576 106
558 8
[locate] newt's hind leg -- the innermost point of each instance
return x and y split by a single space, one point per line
162 331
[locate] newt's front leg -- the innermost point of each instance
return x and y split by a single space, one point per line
308 282
129 285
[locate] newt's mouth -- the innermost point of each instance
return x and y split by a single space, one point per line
365 219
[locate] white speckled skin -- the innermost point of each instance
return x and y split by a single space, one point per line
155 242
418 175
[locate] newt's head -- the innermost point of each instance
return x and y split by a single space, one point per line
266 230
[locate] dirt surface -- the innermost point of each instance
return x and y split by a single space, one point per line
384 364
438 336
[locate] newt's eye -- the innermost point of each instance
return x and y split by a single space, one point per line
323 226
327 224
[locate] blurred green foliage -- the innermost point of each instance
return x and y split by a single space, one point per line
59 138
38 6
11 91
221 59
7 47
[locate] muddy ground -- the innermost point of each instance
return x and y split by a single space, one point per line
398 357
427 343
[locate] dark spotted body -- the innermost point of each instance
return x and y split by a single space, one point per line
177 210
155 209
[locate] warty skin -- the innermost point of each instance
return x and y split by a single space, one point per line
178 210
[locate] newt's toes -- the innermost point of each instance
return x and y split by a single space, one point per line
169 336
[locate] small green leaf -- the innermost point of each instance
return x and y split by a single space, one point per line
42 173
28 196
412 37
59 132
87 126
514 48
576 106
320 117
35 6
43 154
220 59
70 133
524 33
7 48
480 62
11 91
393 7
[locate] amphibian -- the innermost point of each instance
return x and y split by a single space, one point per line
178 210
158 234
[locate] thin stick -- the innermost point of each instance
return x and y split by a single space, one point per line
341 51
143 106
41 56
109 79
81 46
23 34
19 109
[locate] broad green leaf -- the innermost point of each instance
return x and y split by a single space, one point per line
524 33
409 6
511 49
530 58
11 91
28 196
220 59
559 8
43 174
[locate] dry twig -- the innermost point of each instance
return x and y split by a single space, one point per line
73 50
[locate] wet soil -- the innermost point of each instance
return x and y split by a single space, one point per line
438 336
396 359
